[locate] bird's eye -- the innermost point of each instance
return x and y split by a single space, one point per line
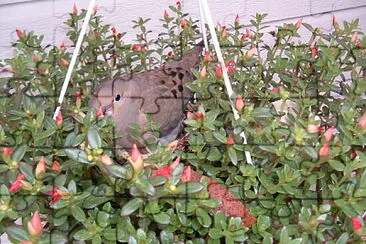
117 97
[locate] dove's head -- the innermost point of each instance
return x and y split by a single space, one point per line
111 96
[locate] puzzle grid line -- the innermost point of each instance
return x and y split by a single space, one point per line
317 200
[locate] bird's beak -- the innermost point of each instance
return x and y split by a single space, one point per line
108 109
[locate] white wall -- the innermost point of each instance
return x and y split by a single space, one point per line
47 16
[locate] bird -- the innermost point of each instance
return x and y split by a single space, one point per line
161 93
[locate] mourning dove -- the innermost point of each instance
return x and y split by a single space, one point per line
160 92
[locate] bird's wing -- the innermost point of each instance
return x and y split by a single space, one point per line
165 95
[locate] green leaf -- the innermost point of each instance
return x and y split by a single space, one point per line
284 238
78 155
27 170
131 206
78 213
162 218
190 187
17 233
232 155
268 148
203 218
83 235
166 237
220 137
311 152
103 219
118 171
94 139
343 238
335 164
145 186
213 154
19 153
215 233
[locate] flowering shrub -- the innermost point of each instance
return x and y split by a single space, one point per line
62 181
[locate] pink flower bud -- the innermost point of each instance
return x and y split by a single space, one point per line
362 122
334 20
62 47
179 5
41 167
55 166
298 24
187 174
106 160
230 66
328 135
224 33
199 115
175 163
59 119
35 225
74 9
311 129
20 33
314 52
136 159
324 150
239 105
166 15
203 72
15 186
356 223
354 37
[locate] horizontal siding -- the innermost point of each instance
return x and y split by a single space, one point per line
46 16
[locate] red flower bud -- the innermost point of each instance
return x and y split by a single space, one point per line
100 113
55 166
362 122
183 23
62 47
276 89
164 171
230 141
41 167
239 105
7 152
74 9
314 52
353 154
298 24
230 66
187 174
35 225
166 15
15 186
356 223
64 62
179 5
237 20
218 71
20 34
324 150
78 94
59 119
207 58
35 59
113 29
199 115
